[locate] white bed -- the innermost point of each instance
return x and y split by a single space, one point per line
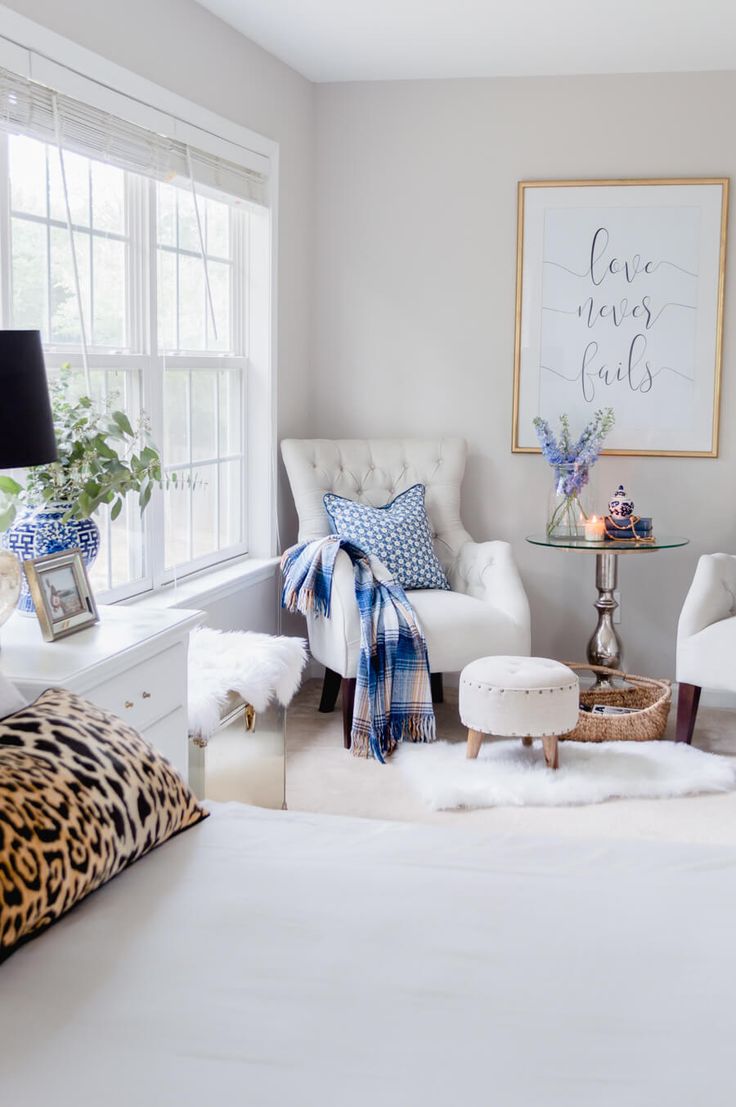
265 958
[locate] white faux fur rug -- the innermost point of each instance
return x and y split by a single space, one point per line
259 667
507 774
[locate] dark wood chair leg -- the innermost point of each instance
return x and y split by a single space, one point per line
348 699
687 710
330 690
438 695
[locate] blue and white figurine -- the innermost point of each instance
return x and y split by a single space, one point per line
620 506
43 530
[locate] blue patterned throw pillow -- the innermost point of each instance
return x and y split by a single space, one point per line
398 534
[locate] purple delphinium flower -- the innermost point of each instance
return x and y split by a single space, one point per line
585 451
572 461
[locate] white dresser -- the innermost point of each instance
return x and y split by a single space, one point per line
133 663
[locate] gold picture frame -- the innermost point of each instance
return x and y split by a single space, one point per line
61 593
520 442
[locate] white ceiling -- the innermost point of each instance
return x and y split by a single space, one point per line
354 40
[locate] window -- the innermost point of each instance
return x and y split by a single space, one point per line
167 333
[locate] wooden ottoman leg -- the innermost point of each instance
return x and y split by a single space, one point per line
551 752
527 741
475 737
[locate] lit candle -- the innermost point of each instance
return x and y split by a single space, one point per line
595 529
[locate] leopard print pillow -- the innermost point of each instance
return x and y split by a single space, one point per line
82 795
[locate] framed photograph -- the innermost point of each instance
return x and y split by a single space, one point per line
619 303
61 593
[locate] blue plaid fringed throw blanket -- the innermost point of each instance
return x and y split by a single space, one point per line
393 699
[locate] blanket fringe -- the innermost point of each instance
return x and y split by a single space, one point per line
303 600
411 728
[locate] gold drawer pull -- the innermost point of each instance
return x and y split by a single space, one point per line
129 704
146 695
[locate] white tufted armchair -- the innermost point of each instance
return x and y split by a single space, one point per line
706 637
487 610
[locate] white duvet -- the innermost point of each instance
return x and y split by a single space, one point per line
265 958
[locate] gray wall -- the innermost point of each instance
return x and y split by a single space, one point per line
414 316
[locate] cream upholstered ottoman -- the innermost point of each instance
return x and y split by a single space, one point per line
528 697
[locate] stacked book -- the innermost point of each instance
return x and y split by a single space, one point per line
633 529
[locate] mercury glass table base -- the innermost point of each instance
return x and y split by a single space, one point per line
605 646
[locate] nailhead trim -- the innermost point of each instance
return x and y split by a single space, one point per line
526 691
517 733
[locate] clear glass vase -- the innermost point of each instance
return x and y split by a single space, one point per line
569 501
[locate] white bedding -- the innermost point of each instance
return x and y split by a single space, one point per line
265 958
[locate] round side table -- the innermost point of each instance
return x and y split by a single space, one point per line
605 647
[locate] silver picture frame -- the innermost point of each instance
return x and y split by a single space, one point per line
61 593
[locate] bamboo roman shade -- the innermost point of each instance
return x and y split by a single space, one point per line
27 107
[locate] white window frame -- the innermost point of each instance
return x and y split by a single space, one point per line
40 54
143 356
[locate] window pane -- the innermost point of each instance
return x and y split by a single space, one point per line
124 391
166 214
219 275
126 544
231 505
29 277
188 233
176 517
108 198
176 418
99 575
204 512
65 325
191 303
109 292
121 559
121 556
218 228
97 388
230 412
204 415
166 283
77 182
27 175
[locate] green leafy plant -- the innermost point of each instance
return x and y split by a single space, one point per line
102 457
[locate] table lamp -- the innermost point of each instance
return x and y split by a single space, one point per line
26 431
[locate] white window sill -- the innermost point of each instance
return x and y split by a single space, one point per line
210 584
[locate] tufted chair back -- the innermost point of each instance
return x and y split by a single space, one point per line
374 471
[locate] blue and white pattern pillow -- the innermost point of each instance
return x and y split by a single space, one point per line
398 534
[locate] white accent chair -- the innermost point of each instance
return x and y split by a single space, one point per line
486 612
706 638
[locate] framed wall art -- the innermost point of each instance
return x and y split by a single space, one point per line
619 303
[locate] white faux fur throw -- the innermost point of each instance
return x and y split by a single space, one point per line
259 667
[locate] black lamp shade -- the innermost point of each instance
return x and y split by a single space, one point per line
26 425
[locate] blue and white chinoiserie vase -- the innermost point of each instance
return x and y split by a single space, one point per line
620 505
44 530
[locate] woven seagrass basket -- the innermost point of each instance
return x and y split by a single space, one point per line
650 698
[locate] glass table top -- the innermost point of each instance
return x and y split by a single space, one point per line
661 542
